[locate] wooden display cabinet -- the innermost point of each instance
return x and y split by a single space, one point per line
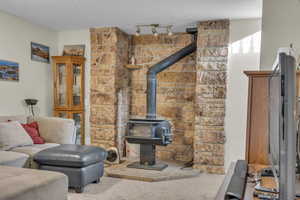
257 117
68 76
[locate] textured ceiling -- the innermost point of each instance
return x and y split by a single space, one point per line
81 14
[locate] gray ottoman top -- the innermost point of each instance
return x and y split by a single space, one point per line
70 155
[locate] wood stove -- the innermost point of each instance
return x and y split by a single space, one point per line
150 131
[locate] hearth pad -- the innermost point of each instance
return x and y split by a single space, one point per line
157 166
173 171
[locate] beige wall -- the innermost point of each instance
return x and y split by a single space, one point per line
244 54
73 37
280 28
35 77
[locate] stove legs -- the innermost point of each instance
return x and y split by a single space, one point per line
147 154
147 159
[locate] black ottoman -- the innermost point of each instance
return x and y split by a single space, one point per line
82 164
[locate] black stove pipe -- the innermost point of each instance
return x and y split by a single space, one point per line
162 65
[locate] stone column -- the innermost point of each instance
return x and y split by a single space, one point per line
212 53
109 54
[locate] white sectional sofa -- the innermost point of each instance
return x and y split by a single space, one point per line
17 183
32 184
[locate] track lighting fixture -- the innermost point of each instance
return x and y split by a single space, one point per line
154 29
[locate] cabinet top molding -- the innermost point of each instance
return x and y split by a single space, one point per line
261 73
68 57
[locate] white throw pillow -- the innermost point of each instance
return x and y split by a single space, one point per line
12 135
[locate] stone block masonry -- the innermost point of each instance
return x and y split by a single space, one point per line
109 86
210 94
175 92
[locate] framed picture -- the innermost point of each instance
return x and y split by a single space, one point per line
40 53
9 71
74 50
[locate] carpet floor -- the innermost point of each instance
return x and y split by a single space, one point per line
202 187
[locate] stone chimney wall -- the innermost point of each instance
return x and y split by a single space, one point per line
191 93
109 54
175 92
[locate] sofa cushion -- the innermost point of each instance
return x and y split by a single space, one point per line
71 155
29 184
32 150
12 134
56 130
13 159
33 131
19 118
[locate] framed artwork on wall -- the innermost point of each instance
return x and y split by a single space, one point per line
40 53
9 70
74 50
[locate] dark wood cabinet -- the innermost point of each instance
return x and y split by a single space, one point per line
257 117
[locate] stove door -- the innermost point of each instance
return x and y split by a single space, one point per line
140 130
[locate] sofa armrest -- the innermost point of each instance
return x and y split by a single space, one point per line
57 130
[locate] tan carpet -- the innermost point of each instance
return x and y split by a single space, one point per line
202 187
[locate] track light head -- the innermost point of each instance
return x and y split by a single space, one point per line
138 31
154 31
169 31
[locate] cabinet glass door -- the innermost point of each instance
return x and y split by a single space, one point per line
78 118
77 95
61 85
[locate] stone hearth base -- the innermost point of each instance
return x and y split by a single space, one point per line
173 171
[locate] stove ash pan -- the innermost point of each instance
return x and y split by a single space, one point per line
149 131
